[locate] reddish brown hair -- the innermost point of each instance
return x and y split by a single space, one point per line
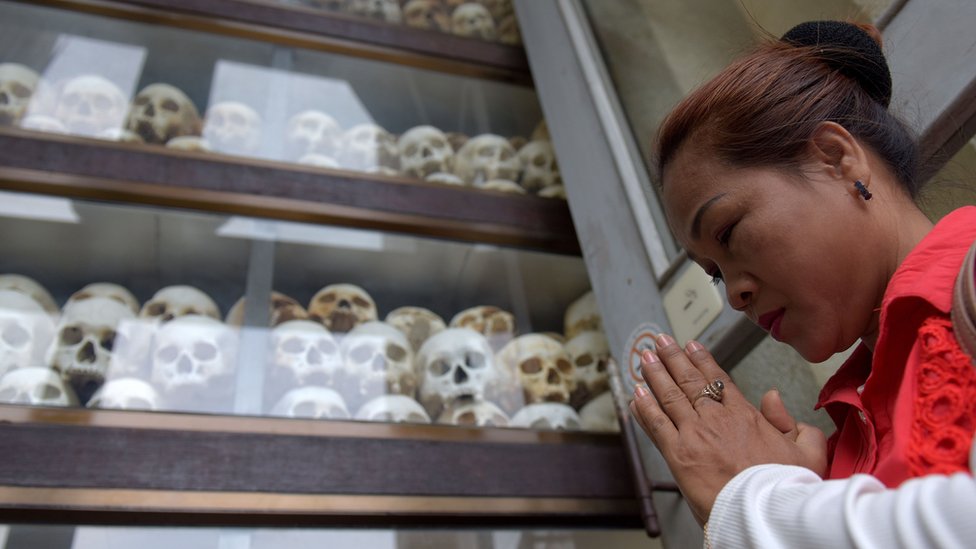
763 109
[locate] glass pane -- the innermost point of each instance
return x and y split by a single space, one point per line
139 308
953 186
110 79
657 51
91 537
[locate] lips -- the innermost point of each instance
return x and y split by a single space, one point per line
771 321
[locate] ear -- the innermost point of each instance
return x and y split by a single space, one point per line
837 154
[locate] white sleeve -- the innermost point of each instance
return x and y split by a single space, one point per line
773 506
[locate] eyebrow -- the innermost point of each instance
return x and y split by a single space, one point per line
696 223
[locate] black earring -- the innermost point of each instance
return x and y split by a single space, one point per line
865 193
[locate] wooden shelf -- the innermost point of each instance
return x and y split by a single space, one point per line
321 30
195 469
102 170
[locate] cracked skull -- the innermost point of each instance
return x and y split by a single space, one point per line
26 331
424 150
341 307
457 363
17 85
382 360
312 132
542 367
487 157
87 336
161 112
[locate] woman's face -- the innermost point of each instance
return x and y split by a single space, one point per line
792 250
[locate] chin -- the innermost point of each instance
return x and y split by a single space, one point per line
813 352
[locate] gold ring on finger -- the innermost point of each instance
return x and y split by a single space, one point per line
713 391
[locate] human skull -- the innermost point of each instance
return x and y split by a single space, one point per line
600 414
473 21
192 360
393 409
382 10
126 394
590 352
382 360
305 353
342 306
455 364
312 132
175 301
582 315
26 331
87 336
417 323
189 143
89 105
161 112
367 147
17 86
494 323
37 387
479 413
29 287
553 191
487 157
281 308
498 8
508 31
311 403
539 168
233 127
445 179
503 186
549 416
109 290
425 150
427 14
542 367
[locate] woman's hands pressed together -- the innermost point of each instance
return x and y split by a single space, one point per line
706 441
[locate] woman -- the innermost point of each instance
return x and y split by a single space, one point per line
787 178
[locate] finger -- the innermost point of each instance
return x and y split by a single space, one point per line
688 377
813 444
772 408
710 370
670 398
652 418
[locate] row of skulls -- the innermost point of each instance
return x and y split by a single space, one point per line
173 352
93 106
491 20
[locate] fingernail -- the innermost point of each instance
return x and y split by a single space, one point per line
693 346
663 340
640 391
649 357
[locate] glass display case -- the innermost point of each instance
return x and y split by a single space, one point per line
325 276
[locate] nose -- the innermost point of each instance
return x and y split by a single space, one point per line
740 288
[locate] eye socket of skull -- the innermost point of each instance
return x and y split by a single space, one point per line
71 335
170 105
564 366
411 150
168 353
584 360
20 90
361 353
475 360
439 367
328 298
360 301
539 160
109 339
292 345
15 336
156 309
601 366
48 392
204 351
531 366
395 352
327 347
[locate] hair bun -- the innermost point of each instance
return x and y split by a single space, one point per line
850 50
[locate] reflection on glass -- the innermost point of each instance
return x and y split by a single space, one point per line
156 313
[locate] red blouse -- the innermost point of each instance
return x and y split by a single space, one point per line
910 409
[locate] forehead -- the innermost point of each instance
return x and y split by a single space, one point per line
693 177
